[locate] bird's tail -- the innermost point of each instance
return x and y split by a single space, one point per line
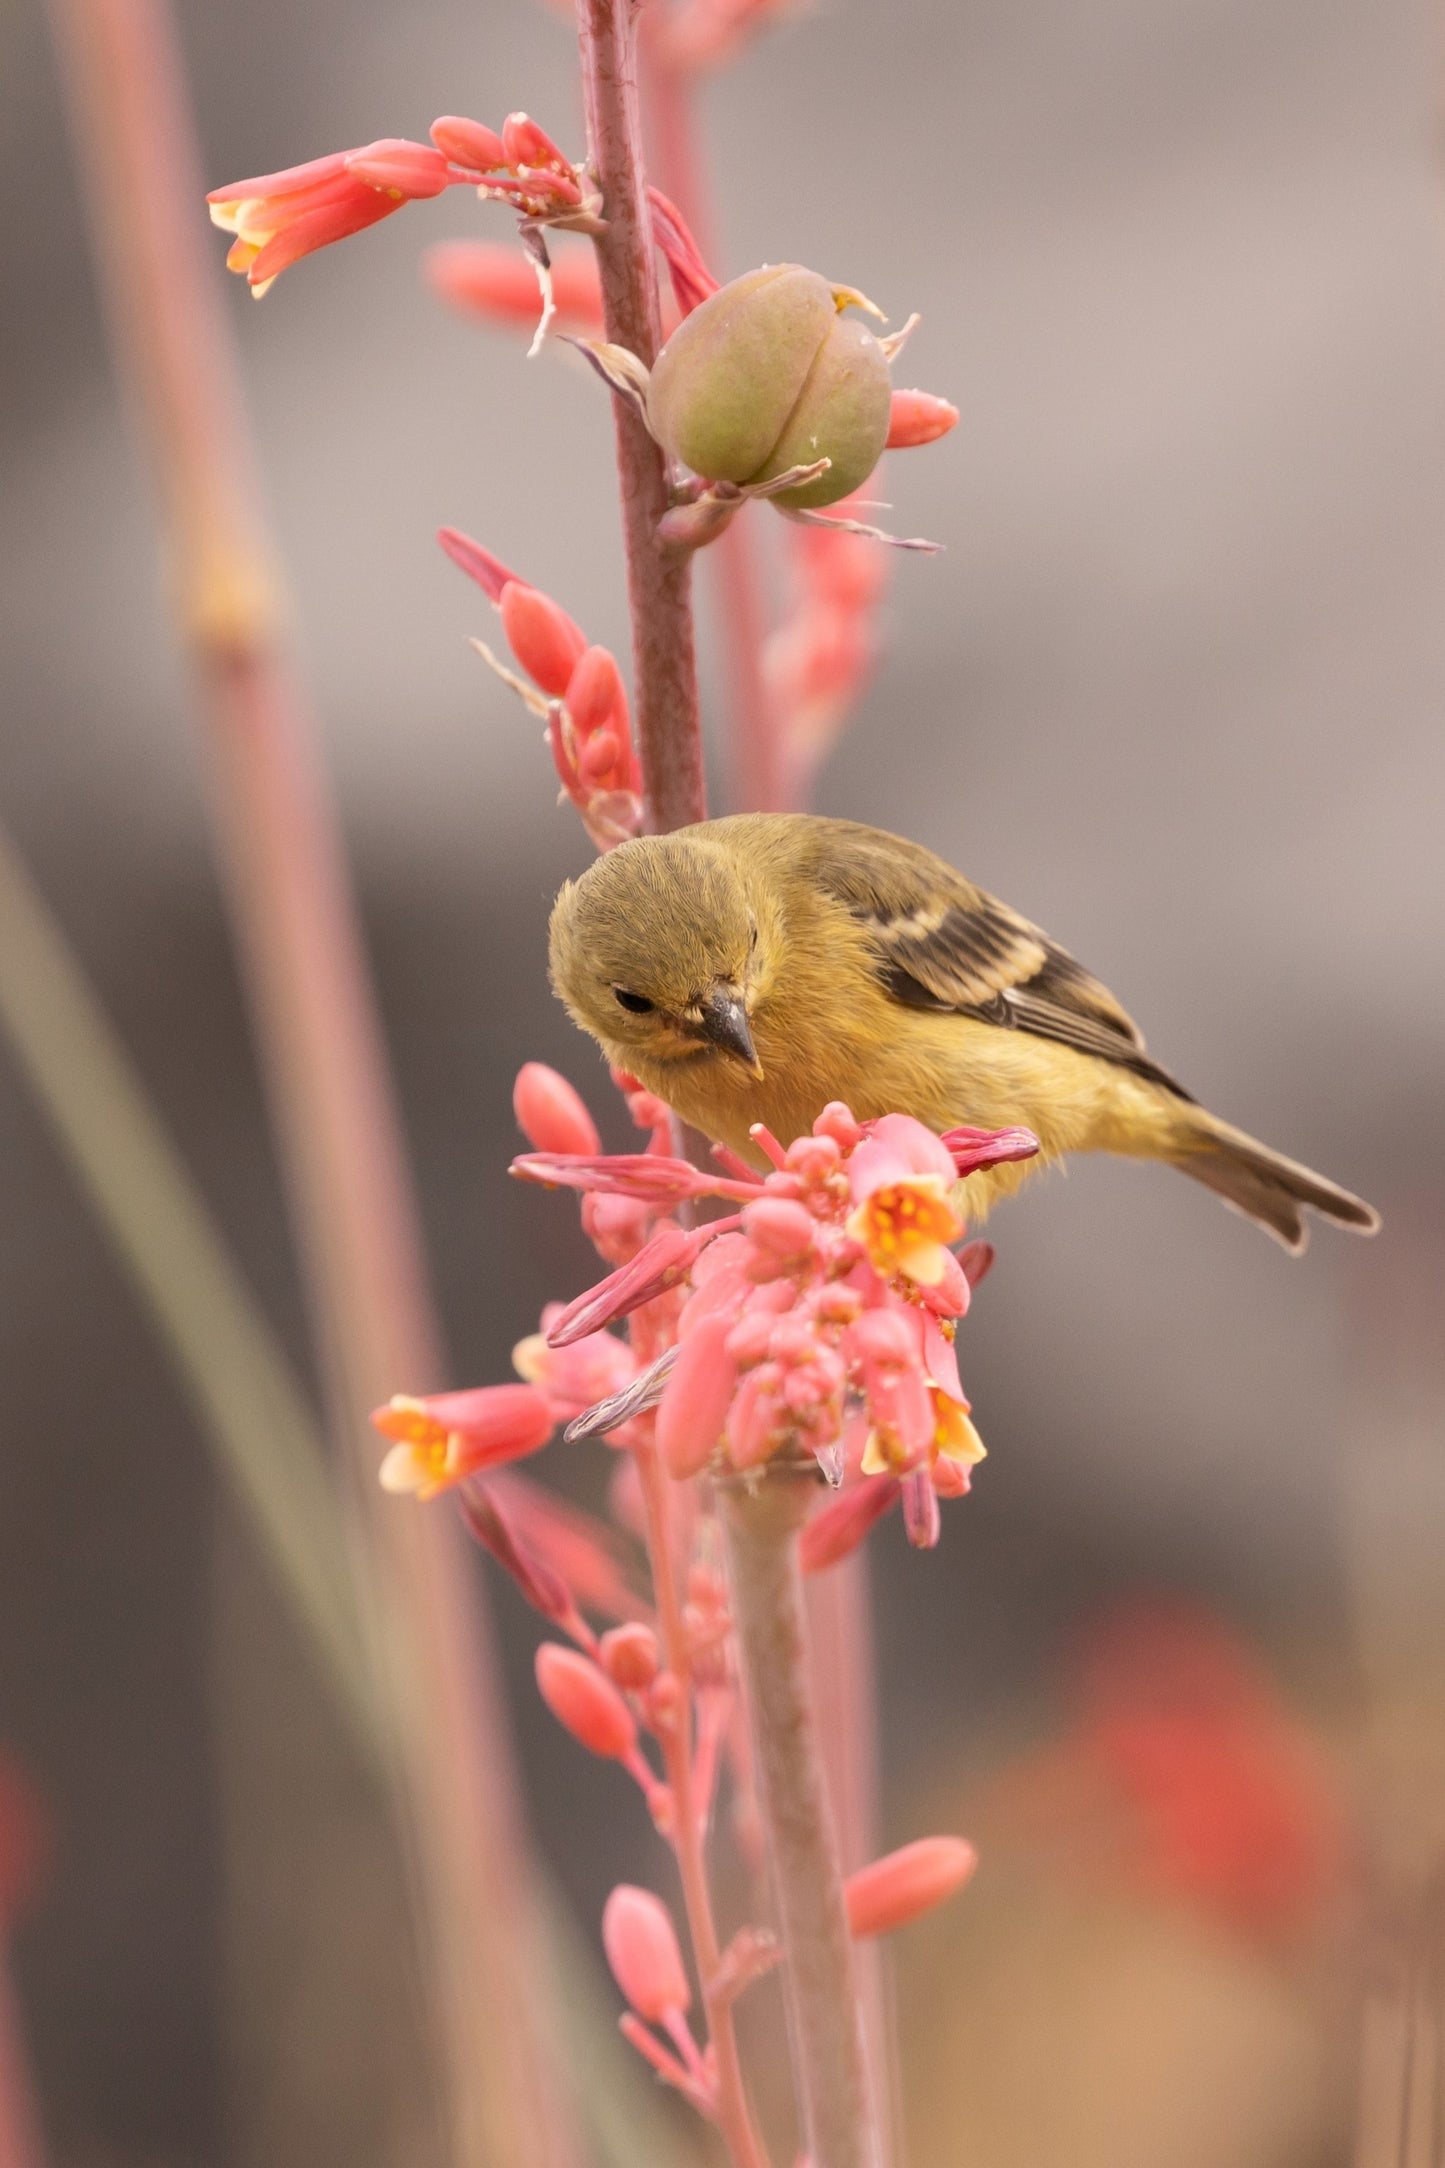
1263 1185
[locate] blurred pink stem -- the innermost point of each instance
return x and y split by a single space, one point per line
762 1521
21 2145
659 582
321 1050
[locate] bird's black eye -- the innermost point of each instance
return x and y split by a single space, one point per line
635 1004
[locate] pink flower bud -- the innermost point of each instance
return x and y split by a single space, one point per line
495 280
976 1261
907 1883
836 1121
595 693
694 1405
916 417
411 170
630 1656
839 1526
585 1702
543 637
525 144
778 1226
550 1114
468 143
598 757
641 1946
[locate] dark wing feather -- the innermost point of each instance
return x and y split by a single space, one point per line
944 944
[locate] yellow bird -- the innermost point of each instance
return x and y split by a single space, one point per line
751 969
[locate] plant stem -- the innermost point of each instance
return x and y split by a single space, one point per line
659 582
762 1516
755 739
320 1044
733 2114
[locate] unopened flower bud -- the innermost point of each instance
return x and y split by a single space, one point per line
585 1701
917 417
549 1112
543 637
837 1121
641 1946
469 143
766 375
779 1226
630 1656
893 1890
595 694
525 144
695 1403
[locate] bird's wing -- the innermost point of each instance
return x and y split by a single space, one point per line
943 944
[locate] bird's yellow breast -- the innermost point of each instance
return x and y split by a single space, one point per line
881 1057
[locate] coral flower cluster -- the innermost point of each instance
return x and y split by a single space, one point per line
576 689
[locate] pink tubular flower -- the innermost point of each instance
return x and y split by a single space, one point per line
279 217
550 1114
903 1885
917 417
647 1177
641 1945
540 1584
493 280
444 1437
692 281
662 1263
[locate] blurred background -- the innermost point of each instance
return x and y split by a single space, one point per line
1174 690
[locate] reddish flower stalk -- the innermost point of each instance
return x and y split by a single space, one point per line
658 581
320 1046
837 2109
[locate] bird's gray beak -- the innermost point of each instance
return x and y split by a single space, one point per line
724 1022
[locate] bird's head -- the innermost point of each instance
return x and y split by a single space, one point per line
656 952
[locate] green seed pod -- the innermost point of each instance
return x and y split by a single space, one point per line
766 375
